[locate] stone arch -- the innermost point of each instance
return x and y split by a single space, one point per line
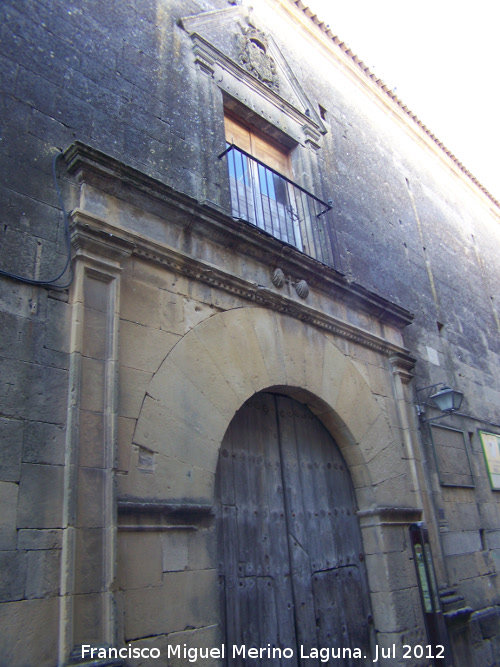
227 358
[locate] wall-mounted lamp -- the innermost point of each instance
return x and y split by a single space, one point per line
446 399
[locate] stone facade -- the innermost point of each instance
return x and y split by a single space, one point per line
116 391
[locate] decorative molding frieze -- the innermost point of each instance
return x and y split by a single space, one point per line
196 269
390 516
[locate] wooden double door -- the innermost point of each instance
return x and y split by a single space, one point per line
291 565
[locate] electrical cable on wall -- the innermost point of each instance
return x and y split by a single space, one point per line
51 282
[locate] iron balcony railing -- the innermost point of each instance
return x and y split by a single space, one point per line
274 203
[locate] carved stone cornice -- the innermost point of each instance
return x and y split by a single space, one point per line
390 516
120 180
403 367
175 260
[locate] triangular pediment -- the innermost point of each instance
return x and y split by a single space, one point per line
243 58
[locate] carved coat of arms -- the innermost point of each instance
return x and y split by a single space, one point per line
254 57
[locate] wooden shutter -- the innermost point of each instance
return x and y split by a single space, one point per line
263 148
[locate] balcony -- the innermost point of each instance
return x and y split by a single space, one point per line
273 203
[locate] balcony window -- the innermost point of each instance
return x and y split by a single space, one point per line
263 194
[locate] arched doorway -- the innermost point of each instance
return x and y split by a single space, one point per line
290 552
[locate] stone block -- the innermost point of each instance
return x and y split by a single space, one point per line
172 433
489 622
126 429
378 438
29 632
186 599
8 503
155 276
95 333
91 439
139 559
209 637
172 313
393 612
396 491
467 541
262 354
492 538
480 592
463 566
40 496
390 572
482 655
175 551
140 303
215 342
32 539
88 621
44 443
490 517
262 346
96 294
384 539
34 392
57 335
92 384
90 498
132 390
202 549
89 545
171 480
387 463
11 439
43 573
356 405
13 579
144 348
159 642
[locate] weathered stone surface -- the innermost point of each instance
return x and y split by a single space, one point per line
176 547
93 384
140 560
43 573
132 390
88 565
29 632
91 493
32 539
461 542
13 580
140 303
8 502
11 439
390 572
144 348
184 600
393 612
40 496
43 443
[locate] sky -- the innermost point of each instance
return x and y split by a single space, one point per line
442 59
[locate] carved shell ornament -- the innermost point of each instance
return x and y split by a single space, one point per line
252 54
278 277
302 289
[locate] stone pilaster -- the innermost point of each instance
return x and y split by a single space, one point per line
89 535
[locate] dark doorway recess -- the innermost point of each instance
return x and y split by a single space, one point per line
291 561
